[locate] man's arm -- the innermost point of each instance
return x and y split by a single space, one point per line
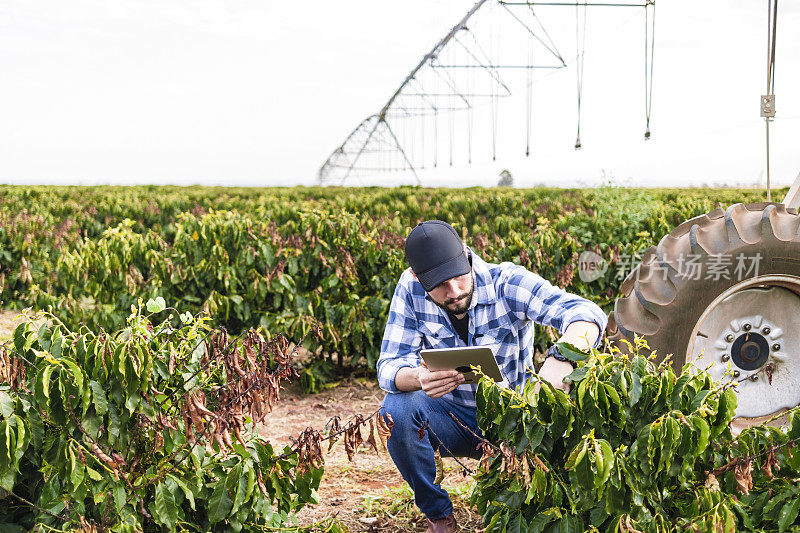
579 321
529 296
583 336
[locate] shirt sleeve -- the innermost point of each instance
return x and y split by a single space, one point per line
529 296
401 340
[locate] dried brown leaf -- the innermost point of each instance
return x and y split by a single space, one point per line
173 353
770 463
712 483
540 464
488 453
385 425
626 525
371 438
437 459
526 471
743 471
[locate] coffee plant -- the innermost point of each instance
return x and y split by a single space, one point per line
155 428
149 428
632 447
271 257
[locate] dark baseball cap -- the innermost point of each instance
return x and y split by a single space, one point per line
435 253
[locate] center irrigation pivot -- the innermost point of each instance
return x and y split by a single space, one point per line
451 99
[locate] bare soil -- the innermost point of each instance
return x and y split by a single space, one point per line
368 493
8 321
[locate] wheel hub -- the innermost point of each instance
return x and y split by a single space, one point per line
744 337
750 351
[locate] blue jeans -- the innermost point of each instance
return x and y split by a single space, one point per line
414 456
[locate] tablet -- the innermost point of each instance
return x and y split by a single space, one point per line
460 358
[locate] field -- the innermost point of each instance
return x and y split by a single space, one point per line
262 273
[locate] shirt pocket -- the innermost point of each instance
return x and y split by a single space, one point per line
498 337
436 335
494 330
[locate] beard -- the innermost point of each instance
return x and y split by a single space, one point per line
458 305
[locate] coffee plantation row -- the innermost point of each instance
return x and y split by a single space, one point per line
155 428
277 257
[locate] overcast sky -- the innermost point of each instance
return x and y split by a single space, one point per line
259 92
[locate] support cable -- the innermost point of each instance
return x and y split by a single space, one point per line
470 116
493 101
580 45
435 138
768 100
529 103
451 117
649 49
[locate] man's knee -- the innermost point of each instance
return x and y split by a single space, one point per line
406 408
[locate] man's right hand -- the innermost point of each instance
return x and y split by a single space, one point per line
437 383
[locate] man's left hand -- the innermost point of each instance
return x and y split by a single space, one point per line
554 371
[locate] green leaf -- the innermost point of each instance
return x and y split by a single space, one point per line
37 427
119 497
577 375
636 389
185 488
99 398
23 439
6 404
94 474
76 470
219 505
20 337
571 352
157 305
166 507
77 373
237 482
42 387
788 514
571 524
539 522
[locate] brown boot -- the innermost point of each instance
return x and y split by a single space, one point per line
442 525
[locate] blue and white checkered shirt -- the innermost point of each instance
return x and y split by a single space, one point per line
507 300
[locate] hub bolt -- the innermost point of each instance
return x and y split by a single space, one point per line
776 346
754 377
729 337
746 327
766 330
736 373
725 357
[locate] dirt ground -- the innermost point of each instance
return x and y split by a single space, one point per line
367 494
8 321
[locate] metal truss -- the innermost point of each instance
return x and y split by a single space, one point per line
463 70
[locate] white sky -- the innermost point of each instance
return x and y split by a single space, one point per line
247 92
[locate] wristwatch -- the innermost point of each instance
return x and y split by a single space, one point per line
555 353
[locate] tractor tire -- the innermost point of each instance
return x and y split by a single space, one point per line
744 325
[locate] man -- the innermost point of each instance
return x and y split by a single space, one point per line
450 297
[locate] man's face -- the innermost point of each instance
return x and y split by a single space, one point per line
455 294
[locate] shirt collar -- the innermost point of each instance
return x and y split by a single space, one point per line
484 284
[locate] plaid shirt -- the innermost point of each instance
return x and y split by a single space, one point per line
507 300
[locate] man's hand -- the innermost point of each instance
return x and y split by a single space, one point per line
437 383
554 371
